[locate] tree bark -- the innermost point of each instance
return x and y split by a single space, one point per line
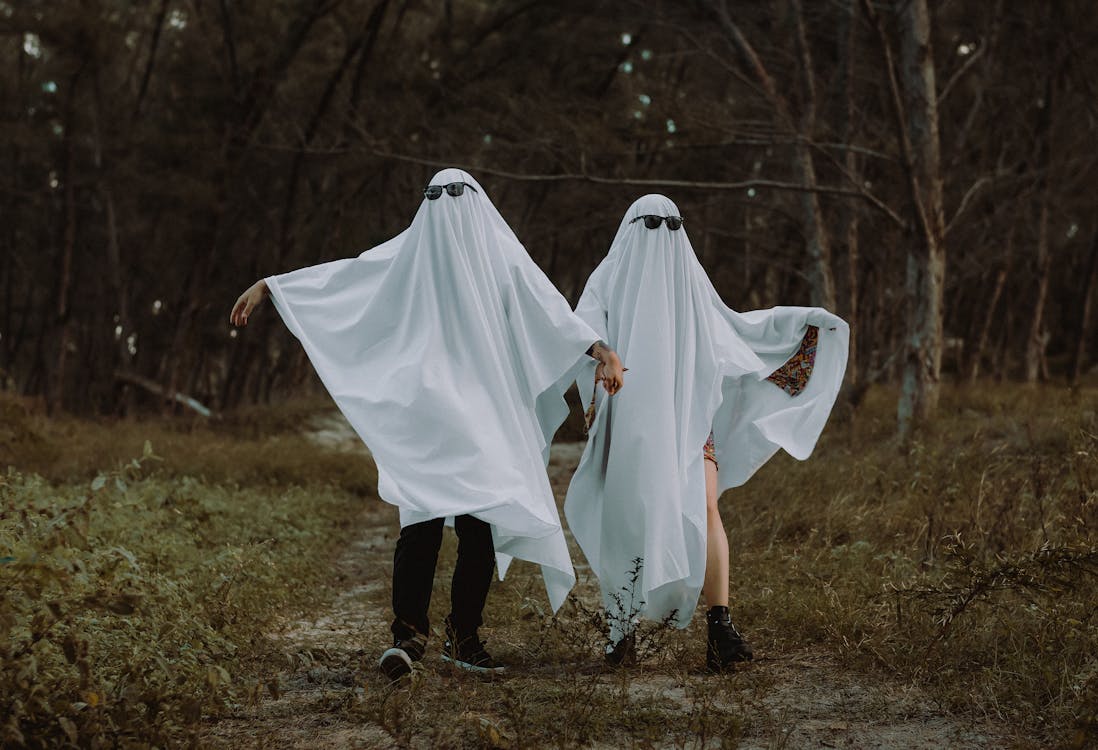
255 99
912 84
817 240
1089 282
977 354
116 275
1038 337
62 323
154 43
849 213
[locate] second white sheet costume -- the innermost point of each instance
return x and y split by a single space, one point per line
695 366
436 346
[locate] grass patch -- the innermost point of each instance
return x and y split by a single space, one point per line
140 599
964 564
967 561
255 447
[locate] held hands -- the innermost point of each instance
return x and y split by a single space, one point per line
247 302
609 369
610 372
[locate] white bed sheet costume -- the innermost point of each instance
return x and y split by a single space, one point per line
695 366
442 347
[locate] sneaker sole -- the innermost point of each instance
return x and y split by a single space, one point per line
473 667
395 663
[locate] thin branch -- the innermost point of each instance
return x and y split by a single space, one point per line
961 71
858 184
154 43
901 117
687 184
804 52
972 190
721 60
752 62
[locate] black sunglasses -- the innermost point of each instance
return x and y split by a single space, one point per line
653 222
434 192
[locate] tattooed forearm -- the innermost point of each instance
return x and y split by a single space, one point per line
609 369
598 350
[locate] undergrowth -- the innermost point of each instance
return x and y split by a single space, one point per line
964 563
141 601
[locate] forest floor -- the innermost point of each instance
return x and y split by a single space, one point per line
791 696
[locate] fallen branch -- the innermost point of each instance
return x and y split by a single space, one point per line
153 387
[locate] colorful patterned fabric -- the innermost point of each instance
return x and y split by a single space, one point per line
710 450
792 377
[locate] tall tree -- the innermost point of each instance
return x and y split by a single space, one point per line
913 88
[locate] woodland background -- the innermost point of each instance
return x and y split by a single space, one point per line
924 168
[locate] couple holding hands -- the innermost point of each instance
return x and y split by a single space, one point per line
449 352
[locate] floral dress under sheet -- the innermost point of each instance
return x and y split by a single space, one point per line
792 377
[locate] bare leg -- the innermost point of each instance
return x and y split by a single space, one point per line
715 586
724 645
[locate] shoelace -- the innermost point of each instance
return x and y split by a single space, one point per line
729 629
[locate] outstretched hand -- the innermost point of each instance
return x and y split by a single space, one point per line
247 302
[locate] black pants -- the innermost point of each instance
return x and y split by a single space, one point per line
414 575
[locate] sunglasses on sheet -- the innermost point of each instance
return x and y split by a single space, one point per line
653 222
454 189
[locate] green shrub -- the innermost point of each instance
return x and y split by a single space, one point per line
137 603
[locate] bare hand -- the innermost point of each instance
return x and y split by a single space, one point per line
610 373
247 302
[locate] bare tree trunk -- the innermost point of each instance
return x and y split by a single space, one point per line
368 34
989 318
926 265
116 275
1001 363
1089 282
7 326
56 388
849 216
915 103
751 290
254 101
8 338
1038 337
817 240
154 43
816 236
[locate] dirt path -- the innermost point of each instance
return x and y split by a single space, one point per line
330 695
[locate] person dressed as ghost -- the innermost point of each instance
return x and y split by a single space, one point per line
712 395
441 347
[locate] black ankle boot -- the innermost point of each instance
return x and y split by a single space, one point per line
624 652
724 645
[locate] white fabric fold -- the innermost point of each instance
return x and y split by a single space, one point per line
439 346
695 366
